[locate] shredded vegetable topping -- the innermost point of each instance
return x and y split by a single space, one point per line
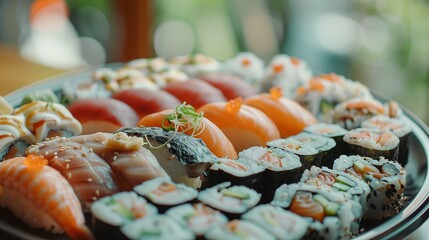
183 119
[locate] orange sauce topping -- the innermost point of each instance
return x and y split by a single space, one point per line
295 61
246 62
278 68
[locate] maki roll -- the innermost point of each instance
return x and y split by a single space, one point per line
164 193
325 147
160 227
372 142
197 64
239 229
352 113
398 127
334 131
238 172
284 225
306 152
322 93
110 213
281 167
197 217
48 119
385 178
14 137
339 181
332 212
232 201
183 157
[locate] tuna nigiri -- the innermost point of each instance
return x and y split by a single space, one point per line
41 197
198 126
289 117
144 101
243 125
230 85
194 92
102 114
89 175
130 161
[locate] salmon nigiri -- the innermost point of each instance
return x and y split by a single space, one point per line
130 161
243 125
90 176
193 124
41 197
289 117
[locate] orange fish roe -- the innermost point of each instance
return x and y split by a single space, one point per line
35 163
234 105
295 61
276 92
246 62
278 68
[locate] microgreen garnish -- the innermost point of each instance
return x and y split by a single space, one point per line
183 119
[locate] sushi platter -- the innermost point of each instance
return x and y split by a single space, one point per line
209 150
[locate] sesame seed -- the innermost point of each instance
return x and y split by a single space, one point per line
69 175
67 165
67 160
97 193
94 198
115 157
46 153
84 155
89 179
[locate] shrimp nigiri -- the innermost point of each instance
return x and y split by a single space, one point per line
289 117
206 130
243 125
41 197
90 176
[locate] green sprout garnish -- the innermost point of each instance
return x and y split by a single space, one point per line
183 119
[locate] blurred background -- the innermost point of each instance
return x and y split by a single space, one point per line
384 44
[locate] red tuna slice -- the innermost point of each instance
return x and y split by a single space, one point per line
230 85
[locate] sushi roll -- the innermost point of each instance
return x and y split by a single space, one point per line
333 214
232 201
339 181
198 218
288 73
184 158
247 66
333 131
322 93
130 162
14 137
239 229
237 171
48 119
164 193
41 197
281 167
110 213
284 225
306 153
372 142
386 180
157 227
398 127
325 147
352 113
88 174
